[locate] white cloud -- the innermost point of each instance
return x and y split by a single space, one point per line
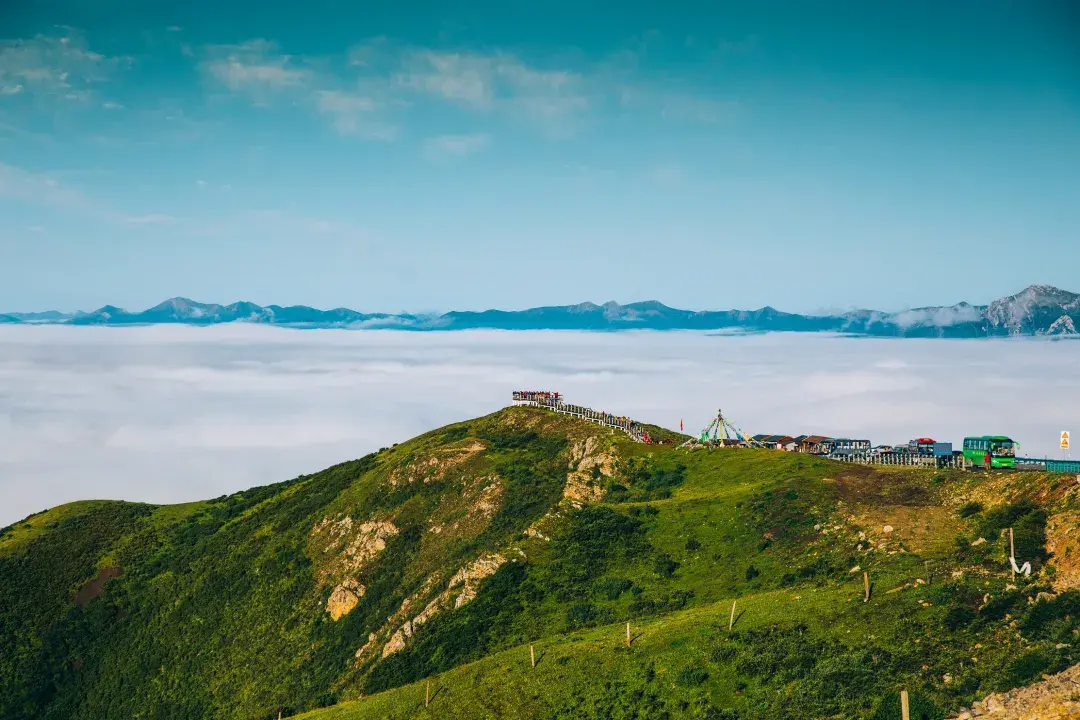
358 93
254 68
497 81
355 113
169 414
44 189
938 317
456 145
61 67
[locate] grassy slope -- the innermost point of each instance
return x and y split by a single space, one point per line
220 613
911 637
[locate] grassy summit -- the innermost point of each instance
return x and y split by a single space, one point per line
446 557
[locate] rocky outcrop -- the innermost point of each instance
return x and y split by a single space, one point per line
343 548
461 589
1056 697
589 466
344 598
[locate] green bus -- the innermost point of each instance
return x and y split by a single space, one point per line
1002 451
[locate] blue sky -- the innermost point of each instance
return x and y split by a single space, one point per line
414 156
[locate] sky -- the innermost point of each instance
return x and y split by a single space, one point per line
174 413
433 156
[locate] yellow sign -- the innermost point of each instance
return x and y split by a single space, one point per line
1064 439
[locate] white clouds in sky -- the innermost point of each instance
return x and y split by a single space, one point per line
61 66
456 145
46 190
254 67
171 413
359 91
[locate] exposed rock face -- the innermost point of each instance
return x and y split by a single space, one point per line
588 467
368 541
585 455
461 589
344 598
1057 697
1032 309
348 547
1062 326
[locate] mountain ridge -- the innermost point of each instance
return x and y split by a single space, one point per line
1038 310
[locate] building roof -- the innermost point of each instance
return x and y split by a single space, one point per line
815 439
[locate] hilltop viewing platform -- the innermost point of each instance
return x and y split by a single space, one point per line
554 401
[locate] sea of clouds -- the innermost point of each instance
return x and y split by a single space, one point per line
168 414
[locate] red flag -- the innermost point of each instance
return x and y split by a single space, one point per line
680 424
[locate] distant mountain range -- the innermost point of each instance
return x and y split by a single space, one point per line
1037 310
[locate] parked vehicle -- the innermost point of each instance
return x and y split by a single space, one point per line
1000 450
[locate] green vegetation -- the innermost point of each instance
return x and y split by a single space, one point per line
463 538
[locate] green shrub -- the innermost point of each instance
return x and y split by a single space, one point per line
454 434
1029 528
751 573
665 566
957 617
613 588
646 480
920 706
1053 619
968 509
581 615
998 607
1024 669
693 544
691 676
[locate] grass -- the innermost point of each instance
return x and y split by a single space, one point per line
220 611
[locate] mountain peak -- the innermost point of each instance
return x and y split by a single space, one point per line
1043 295
1032 309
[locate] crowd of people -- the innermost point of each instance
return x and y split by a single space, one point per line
542 397
554 401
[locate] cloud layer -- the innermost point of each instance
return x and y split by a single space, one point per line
170 414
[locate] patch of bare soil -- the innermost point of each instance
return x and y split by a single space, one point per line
1063 544
918 529
95 587
870 485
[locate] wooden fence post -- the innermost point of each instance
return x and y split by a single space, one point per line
427 694
532 656
866 586
905 713
1012 555
731 620
627 634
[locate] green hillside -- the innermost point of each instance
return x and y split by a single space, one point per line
433 566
